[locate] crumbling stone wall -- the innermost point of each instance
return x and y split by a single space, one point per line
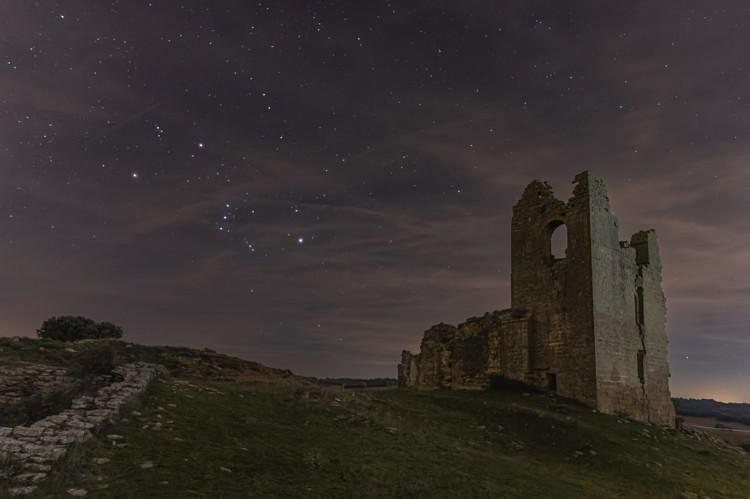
589 325
465 356
23 381
454 356
32 449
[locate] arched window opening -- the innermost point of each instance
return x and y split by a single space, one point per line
559 241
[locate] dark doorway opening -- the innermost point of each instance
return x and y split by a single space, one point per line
552 382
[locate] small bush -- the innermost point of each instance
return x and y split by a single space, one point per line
93 363
75 328
108 330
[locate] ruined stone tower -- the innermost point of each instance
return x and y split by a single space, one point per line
588 324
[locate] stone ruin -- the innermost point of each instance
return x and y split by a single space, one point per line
589 325
19 382
29 451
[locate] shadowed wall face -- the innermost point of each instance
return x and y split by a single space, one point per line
557 293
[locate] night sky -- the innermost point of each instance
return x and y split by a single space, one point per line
312 184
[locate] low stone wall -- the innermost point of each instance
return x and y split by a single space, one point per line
20 381
28 451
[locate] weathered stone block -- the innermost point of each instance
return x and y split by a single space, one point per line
27 431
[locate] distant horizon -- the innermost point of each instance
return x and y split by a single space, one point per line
385 376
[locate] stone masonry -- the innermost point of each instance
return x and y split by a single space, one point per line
589 325
29 451
19 381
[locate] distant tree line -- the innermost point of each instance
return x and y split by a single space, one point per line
75 328
738 412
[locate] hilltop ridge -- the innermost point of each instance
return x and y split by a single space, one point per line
217 426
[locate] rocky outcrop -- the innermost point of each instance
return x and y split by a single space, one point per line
28 451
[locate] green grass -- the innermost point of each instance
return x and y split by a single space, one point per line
275 437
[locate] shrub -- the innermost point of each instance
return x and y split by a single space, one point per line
74 328
92 363
108 330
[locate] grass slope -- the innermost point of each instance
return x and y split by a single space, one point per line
218 427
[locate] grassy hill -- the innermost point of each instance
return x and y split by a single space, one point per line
219 427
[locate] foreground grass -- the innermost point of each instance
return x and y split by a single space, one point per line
203 437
